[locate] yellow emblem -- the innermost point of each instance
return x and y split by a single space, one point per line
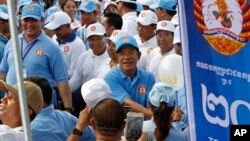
93 28
223 23
164 24
125 39
31 8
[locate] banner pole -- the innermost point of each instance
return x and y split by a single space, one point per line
186 67
19 72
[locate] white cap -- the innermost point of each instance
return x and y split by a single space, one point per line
94 91
116 34
147 2
57 19
165 25
177 35
162 93
106 4
175 19
77 0
95 29
147 17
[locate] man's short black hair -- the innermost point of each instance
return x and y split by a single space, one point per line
109 115
130 5
114 19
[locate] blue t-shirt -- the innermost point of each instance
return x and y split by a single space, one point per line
123 87
3 41
174 135
183 123
56 125
41 57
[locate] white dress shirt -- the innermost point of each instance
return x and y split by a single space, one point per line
130 23
154 59
145 48
86 68
11 134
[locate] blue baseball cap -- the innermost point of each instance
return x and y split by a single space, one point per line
162 93
4 12
32 10
170 5
139 7
22 3
124 41
88 6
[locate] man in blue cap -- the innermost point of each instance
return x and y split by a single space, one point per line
4 32
129 84
40 56
165 9
89 16
4 29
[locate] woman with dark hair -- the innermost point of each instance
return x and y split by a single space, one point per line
69 6
159 128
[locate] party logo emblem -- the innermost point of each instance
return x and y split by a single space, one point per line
224 24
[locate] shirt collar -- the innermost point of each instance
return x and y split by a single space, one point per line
18 129
130 16
172 51
69 39
3 38
138 73
39 38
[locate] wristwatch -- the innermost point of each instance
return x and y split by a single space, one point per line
76 131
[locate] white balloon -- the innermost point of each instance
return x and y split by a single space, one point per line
170 71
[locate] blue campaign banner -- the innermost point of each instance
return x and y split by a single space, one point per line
216 54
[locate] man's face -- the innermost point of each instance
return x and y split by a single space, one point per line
88 18
145 31
106 26
4 26
111 8
164 39
119 7
111 49
9 107
162 14
177 48
96 44
62 32
128 57
70 8
31 27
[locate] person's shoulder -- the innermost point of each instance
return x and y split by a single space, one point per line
114 73
46 40
156 50
78 40
4 128
86 54
175 135
148 126
65 115
80 29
